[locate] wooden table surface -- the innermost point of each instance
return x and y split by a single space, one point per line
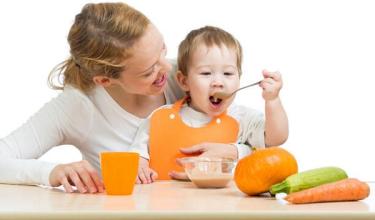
168 200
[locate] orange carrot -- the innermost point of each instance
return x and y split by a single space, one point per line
343 190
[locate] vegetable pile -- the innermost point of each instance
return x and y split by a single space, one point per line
274 170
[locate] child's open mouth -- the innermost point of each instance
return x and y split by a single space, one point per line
215 101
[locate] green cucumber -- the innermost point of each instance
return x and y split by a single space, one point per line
309 179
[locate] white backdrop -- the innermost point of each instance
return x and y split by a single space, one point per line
324 49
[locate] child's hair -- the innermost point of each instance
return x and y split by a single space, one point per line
100 40
209 36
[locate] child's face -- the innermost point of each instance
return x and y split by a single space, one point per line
212 70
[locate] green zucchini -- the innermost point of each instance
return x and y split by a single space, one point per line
309 179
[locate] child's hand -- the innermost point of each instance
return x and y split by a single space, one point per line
145 173
271 85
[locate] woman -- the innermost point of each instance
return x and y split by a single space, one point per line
116 76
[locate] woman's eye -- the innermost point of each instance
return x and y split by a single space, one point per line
149 73
206 73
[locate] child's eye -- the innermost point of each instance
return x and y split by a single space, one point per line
228 73
205 73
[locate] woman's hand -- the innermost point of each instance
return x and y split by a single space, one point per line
80 174
145 173
271 85
211 150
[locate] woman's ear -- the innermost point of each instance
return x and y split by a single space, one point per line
102 81
182 81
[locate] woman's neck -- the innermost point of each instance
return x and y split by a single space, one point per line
138 105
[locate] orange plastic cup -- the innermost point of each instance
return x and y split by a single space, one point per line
119 171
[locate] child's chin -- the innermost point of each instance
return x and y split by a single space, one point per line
215 113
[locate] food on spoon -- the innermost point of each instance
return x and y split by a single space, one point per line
220 95
309 179
257 172
343 190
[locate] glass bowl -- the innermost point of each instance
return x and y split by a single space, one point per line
209 172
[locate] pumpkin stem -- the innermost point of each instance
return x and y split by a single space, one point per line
253 148
280 187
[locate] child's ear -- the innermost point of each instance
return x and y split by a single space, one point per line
182 81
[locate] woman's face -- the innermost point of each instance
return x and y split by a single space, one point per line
146 71
213 69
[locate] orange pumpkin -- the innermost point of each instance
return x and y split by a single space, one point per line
257 172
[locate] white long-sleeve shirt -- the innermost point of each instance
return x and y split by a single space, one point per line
91 122
251 128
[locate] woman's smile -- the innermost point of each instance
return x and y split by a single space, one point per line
160 82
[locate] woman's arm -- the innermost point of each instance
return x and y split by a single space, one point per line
60 121
20 149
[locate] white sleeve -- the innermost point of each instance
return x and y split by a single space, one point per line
141 140
25 171
252 128
60 121
243 150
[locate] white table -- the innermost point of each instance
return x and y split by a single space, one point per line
168 200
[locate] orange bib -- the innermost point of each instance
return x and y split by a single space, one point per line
168 133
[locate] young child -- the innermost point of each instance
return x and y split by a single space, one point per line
209 61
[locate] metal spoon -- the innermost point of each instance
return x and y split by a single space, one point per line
225 95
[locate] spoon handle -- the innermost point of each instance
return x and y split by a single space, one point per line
253 84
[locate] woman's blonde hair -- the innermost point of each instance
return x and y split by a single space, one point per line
100 40
209 36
